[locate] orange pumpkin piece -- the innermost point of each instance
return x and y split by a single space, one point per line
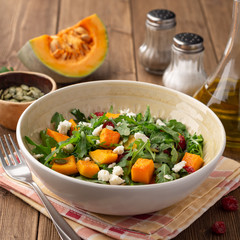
87 168
193 160
112 115
109 137
68 168
130 140
59 137
73 126
102 156
142 170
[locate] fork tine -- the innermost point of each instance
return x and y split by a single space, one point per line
6 155
16 149
11 151
2 158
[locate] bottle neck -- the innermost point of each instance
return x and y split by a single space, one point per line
234 39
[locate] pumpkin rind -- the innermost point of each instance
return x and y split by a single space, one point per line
36 54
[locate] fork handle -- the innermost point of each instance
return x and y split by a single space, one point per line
64 229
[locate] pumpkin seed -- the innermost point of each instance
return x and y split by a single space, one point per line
22 93
86 38
60 161
80 30
24 87
7 96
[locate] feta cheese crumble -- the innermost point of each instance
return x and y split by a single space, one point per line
37 156
142 136
168 177
177 167
64 126
119 150
117 170
85 124
96 132
111 165
127 113
160 122
103 175
109 127
115 180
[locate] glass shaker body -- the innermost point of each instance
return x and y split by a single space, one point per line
185 72
155 52
221 92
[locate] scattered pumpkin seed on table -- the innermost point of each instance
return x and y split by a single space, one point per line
22 93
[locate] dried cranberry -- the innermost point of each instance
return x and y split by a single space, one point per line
182 143
120 156
167 151
189 169
219 227
108 123
99 114
230 203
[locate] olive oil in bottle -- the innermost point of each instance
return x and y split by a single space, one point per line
221 92
226 105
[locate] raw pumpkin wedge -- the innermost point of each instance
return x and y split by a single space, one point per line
70 55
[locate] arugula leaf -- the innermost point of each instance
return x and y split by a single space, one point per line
147 115
110 109
195 144
47 140
5 69
56 119
80 117
39 148
123 129
161 172
81 146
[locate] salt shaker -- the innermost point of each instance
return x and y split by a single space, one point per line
155 52
186 72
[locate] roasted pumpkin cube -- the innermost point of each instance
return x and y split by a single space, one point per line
59 137
130 140
87 168
103 156
142 170
109 137
193 160
73 126
112 115
68 168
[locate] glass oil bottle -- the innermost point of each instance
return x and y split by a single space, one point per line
221 92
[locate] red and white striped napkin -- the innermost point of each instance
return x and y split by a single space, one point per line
164 224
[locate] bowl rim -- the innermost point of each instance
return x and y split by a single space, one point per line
51 80
211 164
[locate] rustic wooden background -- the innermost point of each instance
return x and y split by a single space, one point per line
22 20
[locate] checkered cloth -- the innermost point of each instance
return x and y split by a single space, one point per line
164 224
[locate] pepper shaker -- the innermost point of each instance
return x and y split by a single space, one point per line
155 52
186 72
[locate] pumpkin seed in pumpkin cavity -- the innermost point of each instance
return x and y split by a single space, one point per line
60 161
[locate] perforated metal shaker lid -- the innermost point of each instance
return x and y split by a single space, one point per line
161 18
188 42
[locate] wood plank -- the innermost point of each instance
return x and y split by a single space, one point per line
17 219
21 21
119 63
219 17
47 229
187 21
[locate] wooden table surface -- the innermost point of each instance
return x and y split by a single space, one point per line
22 20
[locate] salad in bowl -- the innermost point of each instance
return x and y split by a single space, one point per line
122 148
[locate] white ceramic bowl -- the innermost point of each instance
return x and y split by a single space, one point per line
99 96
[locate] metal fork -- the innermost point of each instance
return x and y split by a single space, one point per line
18 170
